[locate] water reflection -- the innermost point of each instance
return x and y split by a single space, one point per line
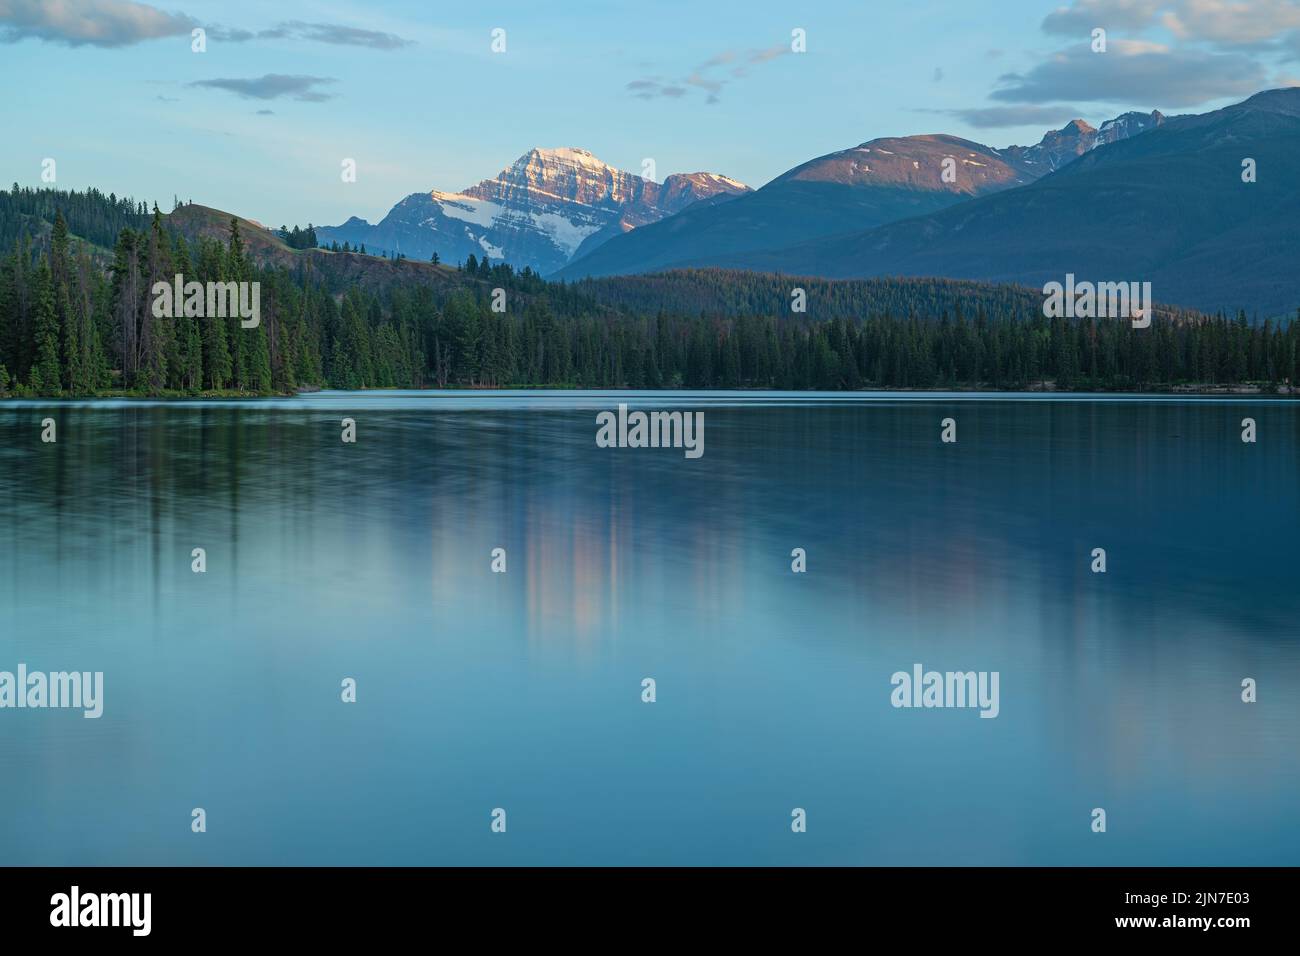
522 690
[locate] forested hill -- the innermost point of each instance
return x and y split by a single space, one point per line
77 318
93 216
732 293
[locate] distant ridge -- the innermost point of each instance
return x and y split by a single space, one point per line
1169 206
877 182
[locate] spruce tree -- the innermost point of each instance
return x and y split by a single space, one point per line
259 358
74 379
46 374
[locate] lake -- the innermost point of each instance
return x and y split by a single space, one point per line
522 690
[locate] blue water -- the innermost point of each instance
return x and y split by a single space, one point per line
523 690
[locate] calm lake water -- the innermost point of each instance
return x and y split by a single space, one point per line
523 690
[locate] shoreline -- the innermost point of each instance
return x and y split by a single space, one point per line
1187 390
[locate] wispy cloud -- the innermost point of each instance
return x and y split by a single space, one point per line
273 86
334 33
103 23
710 77
119 23
705 82
766 56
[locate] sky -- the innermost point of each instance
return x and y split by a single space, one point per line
260 122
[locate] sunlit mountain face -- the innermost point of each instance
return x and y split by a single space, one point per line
547 207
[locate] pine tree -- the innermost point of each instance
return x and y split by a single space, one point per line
157 341
46 374
235 271
12 338
216 353
59 249
192 372
259 356
74 378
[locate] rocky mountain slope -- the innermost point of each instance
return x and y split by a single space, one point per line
547 207
1062 146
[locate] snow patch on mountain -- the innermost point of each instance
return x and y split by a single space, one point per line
466 208
565 232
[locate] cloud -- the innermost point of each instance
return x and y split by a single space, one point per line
649 88
1134 72
1208 50
273 86
117 23
705 83
227 35
1223 23
998 117
705 77
343 36
771 53
758 57
1081 17
721 59
104 23
1232 23
334 33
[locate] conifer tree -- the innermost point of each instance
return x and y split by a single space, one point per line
259 357
46 375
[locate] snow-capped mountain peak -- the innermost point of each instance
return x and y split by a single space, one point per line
1126 125
1061 146
539 211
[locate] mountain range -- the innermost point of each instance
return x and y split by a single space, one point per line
869 185
1141 197
1202 206
545 209
552 207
